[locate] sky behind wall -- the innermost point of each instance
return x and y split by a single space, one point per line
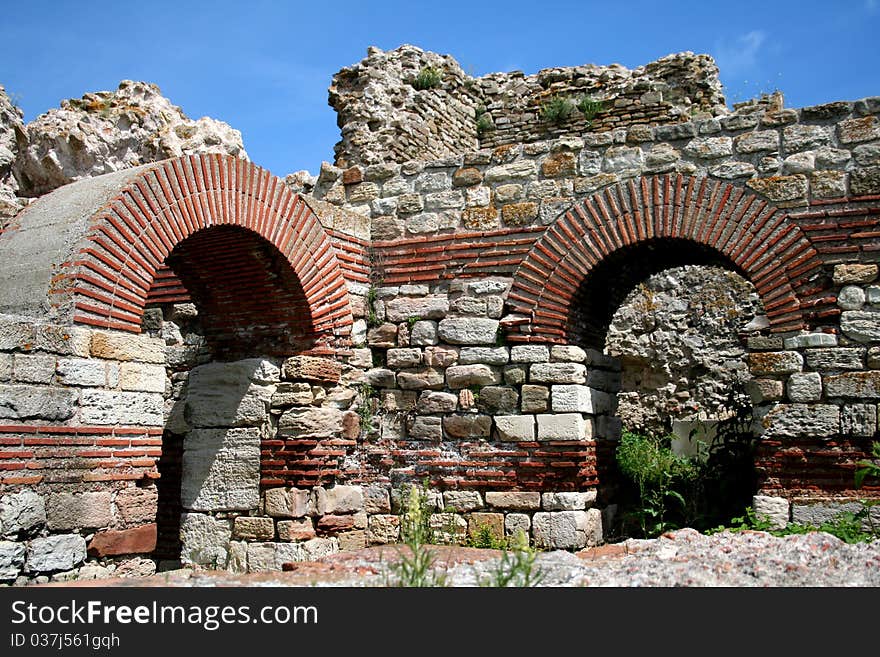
264 67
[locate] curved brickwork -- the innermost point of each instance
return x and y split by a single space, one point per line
753 236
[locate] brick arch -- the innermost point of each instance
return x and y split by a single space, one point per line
108 280
754 237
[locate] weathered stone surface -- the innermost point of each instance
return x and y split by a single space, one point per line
229 394
340 499
514 501
535 399
557 373
33 368
323 422
851 297
423 333
431 402
567 354
59 552
89 510
441 356
865 128
517 522
775 362
843 358
515 375
312 368
468 426
377 500
568 501
20 402
288 503
828 184
404 357
855 385
421 379
424 427
754 142
204 539
142 377
382 336
24 511
484 355
563 426
430 307
398 400
448 528
11 559
709 148
529 354
519 214
112 542
462 500
137 505
859 420
293 394
383 529
774 509
247 528
84 372
110 407
804 387
567 530
498 399
732 170
763 390
302 529
854 274
802 421
464 376
514 427
468 330
781 188
493 523
221 470
125 346
861 325
580 399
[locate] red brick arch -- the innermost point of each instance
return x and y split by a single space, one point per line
752 235
130 237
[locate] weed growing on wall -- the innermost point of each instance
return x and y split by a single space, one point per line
516 567
556 109
430 77
415 566
589 107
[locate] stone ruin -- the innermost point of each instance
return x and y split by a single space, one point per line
202 363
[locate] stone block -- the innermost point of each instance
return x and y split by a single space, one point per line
529 354
62 340
567 530
90 510
136 505
854 274
468 330
382 336
579 399
515 522
21 512
248 528
236 560
859 420
340 499
421 379
381 377
311 422
856 385
142 377
498 399
843 358
221 470
534 399
33 369
302 529
83 372
468 426
11 560
515 375
423 333
312 368
462 500
802 421
353 540
774 509
110 407
514 427
514 501
557 373
804 387
424 427
21 402
112 542
563 426
59 552
811 340
204 540
377 499
448 528
763 390
402 309
775 362
567 354
433 402
403 357
861 325
441 356
398 400
261 557
481 522
383 529
293 394
568 501
316 548
125 346
288 502
465 376
484 355
851 297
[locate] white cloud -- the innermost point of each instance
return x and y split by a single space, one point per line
741 56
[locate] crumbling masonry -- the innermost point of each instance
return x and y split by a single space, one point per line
201 361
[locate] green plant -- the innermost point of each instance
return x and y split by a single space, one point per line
430 77
485 538
415 566
516 567
589 107
483 119
556 109
848 526
868 468
411 320
365 411
372 317
475 391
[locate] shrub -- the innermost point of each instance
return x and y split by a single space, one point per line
589 107
556 110
430 77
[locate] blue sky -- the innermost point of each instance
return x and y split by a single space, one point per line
264 67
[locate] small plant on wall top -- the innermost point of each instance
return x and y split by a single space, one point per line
484 120
556 109
429 77
590 107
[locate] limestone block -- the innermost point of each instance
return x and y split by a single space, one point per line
579 399
761 140
858 385
515 375
11 559
24 511
775 362
514 427
340 499
221 470
33 368
859 420
292 394
529 354
424 427
142 377
398 400
516 170
709 148
20 402
514 501
90 510
312 368
843 358
480 522
441 356
557 373
484 355
421 379
568 501
383 529
851 297
468 330
563 426
802 421
774 509
403 357
247 528
380 377
567 354
424 332
110 407
811 340
804 387
62 340
83 372
311 422
462 500
567 530
515 522
137 505
59 552
854 274
353 540
535 399
498 399
800 137
302 529
448 528
204 540
382 336
465 376
402 309
861 325
316 548
468 426
762 390
125 346
432 401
